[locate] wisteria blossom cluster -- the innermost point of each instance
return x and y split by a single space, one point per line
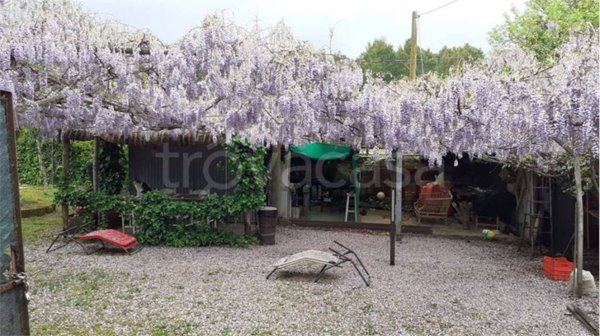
72 71
510 106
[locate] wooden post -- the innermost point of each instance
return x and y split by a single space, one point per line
66 168
95 166
412 74
13 300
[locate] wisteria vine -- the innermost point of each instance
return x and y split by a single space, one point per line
71 71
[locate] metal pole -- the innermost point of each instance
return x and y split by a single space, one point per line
398 206
356 182
393 232
396 220
578 227
285 188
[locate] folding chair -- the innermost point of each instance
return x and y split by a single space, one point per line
330 259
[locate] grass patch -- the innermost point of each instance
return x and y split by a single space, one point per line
414 329
445 325
368 308
36 228
57 329
36 196
371 330
173 328
259 332
69 329
132 289
86 290
46 281
54 286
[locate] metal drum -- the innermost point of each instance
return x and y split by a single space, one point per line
267 223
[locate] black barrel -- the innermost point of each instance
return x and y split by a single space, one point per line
267 222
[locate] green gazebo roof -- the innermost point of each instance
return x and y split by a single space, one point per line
321 151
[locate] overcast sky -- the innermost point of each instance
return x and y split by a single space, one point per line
355 23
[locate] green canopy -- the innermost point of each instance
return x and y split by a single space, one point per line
321 151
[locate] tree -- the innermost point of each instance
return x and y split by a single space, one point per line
544 25
547 28
426 60
455 57
73 72
380 59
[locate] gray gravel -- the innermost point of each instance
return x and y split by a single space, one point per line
438 286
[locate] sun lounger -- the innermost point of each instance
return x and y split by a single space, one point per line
329 260
107 237
111 237
68 236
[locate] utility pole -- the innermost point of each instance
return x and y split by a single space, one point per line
412 73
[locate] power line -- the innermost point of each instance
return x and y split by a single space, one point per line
418 24
382 60
440 7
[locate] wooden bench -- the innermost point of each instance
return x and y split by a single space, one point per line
433 205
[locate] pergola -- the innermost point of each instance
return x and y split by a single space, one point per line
77 77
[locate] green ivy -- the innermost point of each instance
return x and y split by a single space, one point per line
247 165
162 220
111 167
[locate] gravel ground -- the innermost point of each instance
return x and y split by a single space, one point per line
438 286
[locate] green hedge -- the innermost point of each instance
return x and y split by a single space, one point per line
82 153
162 220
